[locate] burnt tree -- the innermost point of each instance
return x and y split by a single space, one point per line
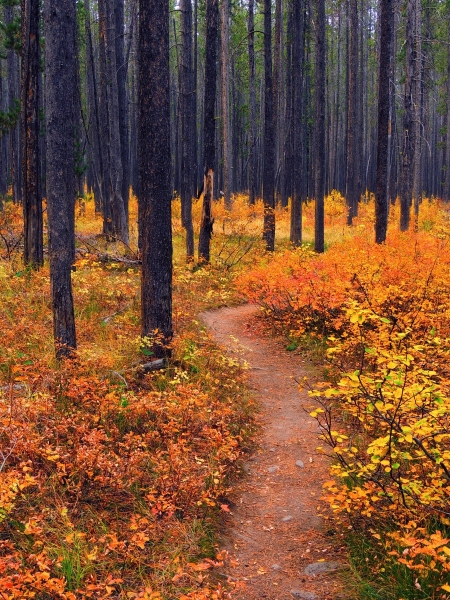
60 60
381 200
207 221
154 175
269 134
31 194
319 132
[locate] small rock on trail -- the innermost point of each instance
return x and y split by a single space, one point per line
275 521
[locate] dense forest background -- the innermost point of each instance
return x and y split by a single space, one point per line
106 97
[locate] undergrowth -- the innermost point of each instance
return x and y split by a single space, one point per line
382 312
112 480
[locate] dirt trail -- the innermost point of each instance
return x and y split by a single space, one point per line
282 548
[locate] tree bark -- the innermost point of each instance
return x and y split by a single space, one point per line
188 126
252 102
381 207
297 120
31 193
418 96
122 70
319 142
225 15
104 120
269 134
409 125
206 227
13 96
352 175
154 173
60 44
447 153
119 219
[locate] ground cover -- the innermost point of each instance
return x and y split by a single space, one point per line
380 316
111 479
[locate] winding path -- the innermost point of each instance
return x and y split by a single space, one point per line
282 548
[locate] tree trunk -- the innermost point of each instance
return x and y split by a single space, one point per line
417 106
95 144
269 134
104 120
206 227
188 126
12 67
409 125
31 194
122 70
381 208
252 101
351 178
225 16
297 16
319 141
447 154
154 173
119 219
60 60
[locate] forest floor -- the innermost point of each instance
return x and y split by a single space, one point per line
279 544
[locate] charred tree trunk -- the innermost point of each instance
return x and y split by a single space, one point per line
319 137
269 134
12 67
188 126
154 173
119 219
409 125
60 45
252 101
206 227
352 191
104 120
122 70
297 121
226 137
31 193
447 153
418 96
94 140
381 200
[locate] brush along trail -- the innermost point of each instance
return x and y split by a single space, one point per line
280 546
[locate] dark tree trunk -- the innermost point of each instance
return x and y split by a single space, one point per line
226 133
381 200
269 134
119 219
154 173
122 70
418 100
297 121
252 99
352 192
447 153
60 44
104 120
409 125
319 141
13 96
209 159
94 141
31 193
288 141
188 126
3 147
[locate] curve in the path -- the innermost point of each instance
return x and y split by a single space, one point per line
282 547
